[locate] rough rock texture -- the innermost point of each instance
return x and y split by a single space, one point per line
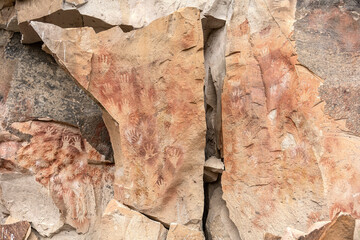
28 200
102 15
154 92
286 161
218 222
18 230
341 227
35 87
121 223
178 231
266 91
8 16
59 158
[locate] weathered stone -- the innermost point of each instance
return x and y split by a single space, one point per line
357 230
214 76
210 176
18 231
327 42
218 222
8 19
35 87
60 160
271 178
178 231
269 236
292 234
286 162
121 223
151 83
28 200
102 15
341 227
214 164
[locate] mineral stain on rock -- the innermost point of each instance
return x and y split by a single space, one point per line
266 91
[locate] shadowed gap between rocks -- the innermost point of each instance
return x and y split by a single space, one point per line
214 31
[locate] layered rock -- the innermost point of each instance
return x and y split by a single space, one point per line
120 222
73 191
18 230
35 87
178 231
286 161
50 174
218 223
150 82
8 16
102 15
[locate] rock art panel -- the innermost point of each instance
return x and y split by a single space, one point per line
287 163
75 174
35 87
151 84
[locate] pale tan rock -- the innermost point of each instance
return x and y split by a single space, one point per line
120 222
151 83
11 220
102 15
28 200
357 230
178 231
214 164
292 234
218 222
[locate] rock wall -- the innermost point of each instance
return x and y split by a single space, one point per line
221 119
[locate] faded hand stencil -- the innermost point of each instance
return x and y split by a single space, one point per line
59 158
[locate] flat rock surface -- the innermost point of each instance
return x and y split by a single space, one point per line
151 83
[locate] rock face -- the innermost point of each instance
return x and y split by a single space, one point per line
59 159
218 222
178 231
50 173
283 154
35 87
227 119
119 222
153 92
16 230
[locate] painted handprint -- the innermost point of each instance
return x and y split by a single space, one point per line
150 151
103 62
173 155
133 136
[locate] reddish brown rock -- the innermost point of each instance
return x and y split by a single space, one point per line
74 172
151 83
286 161
15 231
271 176
269 236
341 227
